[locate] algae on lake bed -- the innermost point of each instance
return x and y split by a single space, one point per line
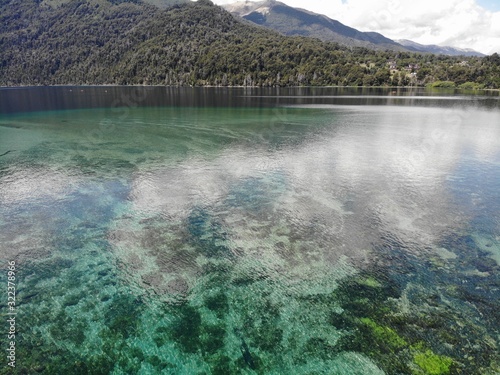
188 242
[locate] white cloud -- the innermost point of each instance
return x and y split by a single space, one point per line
457 23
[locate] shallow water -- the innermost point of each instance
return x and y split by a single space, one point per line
249 231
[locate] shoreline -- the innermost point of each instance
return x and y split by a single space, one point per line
251 87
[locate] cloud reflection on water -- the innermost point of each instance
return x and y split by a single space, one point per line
376 172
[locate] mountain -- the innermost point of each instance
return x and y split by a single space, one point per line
438 50
165 42
90 42
295 21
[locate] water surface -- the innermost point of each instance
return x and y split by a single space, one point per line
307 231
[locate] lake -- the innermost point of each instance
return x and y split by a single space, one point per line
156 230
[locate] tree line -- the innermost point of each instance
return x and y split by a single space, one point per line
87 42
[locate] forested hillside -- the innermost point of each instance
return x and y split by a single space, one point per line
132 42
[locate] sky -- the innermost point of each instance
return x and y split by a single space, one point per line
458 23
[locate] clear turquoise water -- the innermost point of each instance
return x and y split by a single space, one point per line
314 234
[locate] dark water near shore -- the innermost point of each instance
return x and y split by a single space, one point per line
228 231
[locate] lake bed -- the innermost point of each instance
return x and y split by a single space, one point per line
297 231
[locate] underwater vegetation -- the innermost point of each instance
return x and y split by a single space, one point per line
82 313
128 266
229 324
407 328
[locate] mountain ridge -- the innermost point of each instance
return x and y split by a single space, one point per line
443 50
289 20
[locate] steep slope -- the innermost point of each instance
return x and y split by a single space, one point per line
104 42
293 21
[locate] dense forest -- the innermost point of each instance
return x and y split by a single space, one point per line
46 42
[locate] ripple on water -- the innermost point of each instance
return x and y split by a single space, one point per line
196 241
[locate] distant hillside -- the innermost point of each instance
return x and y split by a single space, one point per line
432 48
94 42
293 21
